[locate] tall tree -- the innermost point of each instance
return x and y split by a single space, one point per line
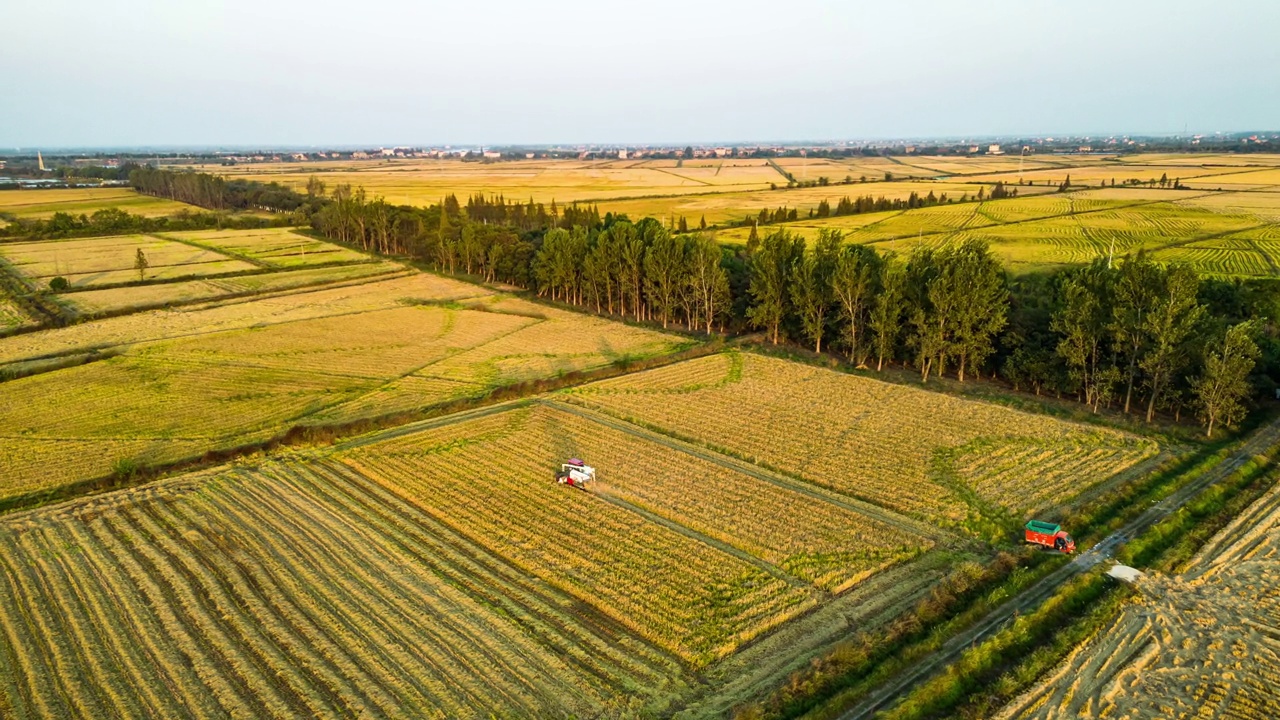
1134 296
853 281
811 292
1082 322
885 318
708 281
770 271
665 267
1172 319
1222 387
981 303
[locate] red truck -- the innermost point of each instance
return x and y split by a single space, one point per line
1050 535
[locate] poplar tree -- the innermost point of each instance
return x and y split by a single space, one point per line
885 318
1173 316
853 281
770 272
811 292
1221 388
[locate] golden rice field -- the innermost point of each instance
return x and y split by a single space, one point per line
1198 644
305 589
206 378
42 204
107 260
1210 230
721 207
929 455
189 291
426 181
270 247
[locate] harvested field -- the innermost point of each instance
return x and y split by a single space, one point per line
288 590
930 455
1202 644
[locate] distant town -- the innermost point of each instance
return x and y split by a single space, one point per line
52 167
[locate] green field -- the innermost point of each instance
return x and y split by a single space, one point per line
1227 234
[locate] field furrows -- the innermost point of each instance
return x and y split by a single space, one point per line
291 590
708 601
846 433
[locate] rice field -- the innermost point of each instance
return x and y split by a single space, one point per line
42 204
143 297
207 379
109 260
298 589
928 455
1207 229
271 247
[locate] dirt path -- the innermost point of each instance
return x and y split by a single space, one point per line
1031 598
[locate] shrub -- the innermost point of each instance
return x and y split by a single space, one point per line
59 284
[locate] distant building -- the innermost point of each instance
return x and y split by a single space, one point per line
388 152
529 156
300 157
492 154
359 155
973 149
622 154
994 150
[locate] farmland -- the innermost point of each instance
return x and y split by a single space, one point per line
1215 232
293 589
181 383
42 204
182 267
1197 644
953 462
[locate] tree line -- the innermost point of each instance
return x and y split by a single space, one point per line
1138 336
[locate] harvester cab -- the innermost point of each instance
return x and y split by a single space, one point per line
1049 535
576 473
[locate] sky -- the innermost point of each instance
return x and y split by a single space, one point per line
80 73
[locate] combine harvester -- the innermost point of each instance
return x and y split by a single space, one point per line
1050 536
576 473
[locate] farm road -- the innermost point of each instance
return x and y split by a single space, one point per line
883 696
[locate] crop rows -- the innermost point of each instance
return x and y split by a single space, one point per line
826 545
491 479
867 439
288 591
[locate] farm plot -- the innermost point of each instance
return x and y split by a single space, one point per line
668 585
143 297
108 260
219 388
290 590
1201 644
11 315
926 454
41 204
157 325
273 247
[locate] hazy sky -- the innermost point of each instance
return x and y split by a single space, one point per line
303 72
